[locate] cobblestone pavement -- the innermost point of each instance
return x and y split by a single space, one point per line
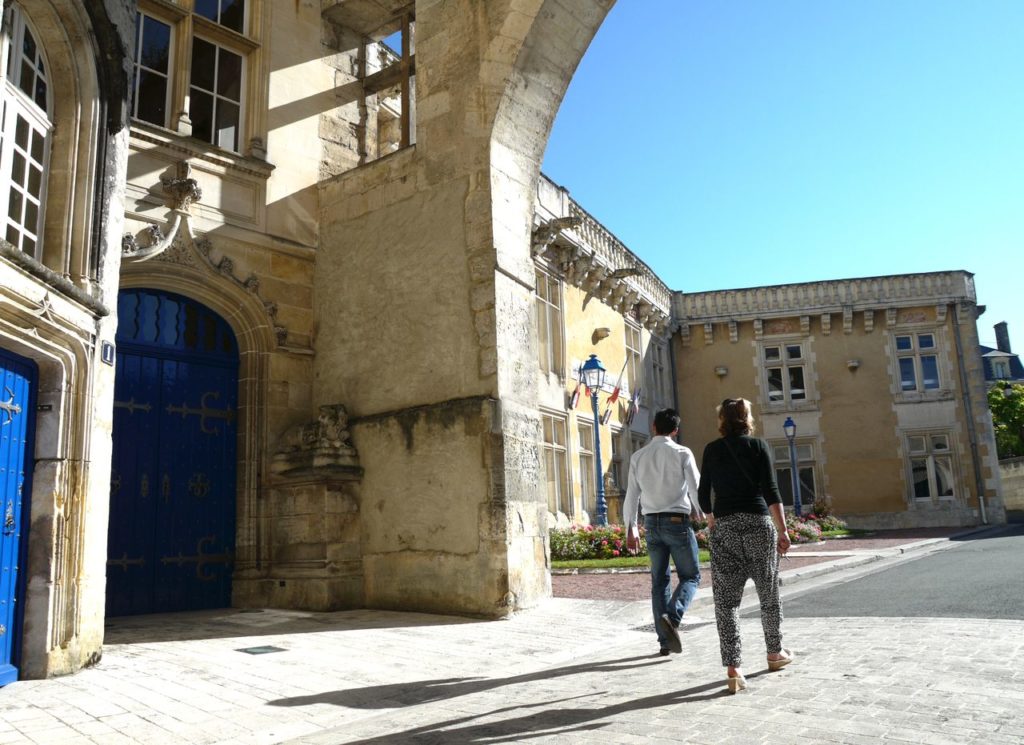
571 671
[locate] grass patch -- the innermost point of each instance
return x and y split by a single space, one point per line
619 562
842 532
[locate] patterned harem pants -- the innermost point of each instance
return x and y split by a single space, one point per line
742 546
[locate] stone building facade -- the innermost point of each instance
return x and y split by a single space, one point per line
294 319
882 378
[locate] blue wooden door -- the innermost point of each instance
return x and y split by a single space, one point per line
17 407
172 488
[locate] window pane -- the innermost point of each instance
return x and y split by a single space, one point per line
586 434
944 477
549 477
804 452
35 181
794 352
771 354
925 341
232 14
903 343
916 444
808 491
919 477
227 124
908 378
775 384
229 75
796 383
31 216
929 371
14 206
21 133
204 63
939 443
200 111
207 8
38 142
561 484
785 482
18 169
152 98
781 453
156 44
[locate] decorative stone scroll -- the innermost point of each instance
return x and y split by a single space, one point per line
547 233
805 325
826 323
940 313
734 332
847 320
320 447
869 321
684 333
182 192
709 333
758 328
890 317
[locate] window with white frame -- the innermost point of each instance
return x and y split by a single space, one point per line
549 323
555 464
784 369
1000 368
205 40
634 358
588 494
660 373
25 126
805 469
636 441
616 467
918 362
931 466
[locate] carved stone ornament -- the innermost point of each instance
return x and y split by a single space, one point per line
182 189
321 447
546 234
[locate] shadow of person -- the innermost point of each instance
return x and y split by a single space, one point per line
549 722
393 695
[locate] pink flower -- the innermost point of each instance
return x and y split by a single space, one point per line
604 543
615 553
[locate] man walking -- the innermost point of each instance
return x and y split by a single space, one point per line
663 480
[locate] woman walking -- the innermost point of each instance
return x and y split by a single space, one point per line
747 525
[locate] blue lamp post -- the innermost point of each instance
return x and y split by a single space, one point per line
593 373
789 427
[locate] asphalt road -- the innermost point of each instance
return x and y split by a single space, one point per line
981 577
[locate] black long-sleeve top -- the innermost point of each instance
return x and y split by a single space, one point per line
735 492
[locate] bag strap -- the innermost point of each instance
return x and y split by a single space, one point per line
738 463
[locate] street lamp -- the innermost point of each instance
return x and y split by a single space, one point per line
593 373
789 427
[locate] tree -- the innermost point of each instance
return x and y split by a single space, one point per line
1007 405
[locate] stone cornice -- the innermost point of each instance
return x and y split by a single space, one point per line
586 254
836 296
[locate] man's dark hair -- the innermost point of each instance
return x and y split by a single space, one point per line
666 421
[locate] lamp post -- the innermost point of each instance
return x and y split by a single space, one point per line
789 427
593 373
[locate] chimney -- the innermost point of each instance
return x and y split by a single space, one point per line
1002 337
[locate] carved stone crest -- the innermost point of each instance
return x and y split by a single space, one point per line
322 446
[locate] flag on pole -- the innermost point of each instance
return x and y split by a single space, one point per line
575 397
615 395
634 406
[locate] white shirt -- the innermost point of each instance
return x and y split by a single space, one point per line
663 477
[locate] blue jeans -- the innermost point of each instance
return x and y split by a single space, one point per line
668 536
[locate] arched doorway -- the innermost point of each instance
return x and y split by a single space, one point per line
17 406
172 493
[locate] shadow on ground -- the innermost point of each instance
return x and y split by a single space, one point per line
226 623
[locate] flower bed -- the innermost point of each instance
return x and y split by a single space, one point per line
607 542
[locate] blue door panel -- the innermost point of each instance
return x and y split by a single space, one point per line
172 523
17 411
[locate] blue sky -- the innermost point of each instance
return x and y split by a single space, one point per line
735 143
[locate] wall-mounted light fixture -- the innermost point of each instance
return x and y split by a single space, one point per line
721 371
599 334
852 364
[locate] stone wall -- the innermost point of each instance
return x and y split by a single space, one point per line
1011 472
